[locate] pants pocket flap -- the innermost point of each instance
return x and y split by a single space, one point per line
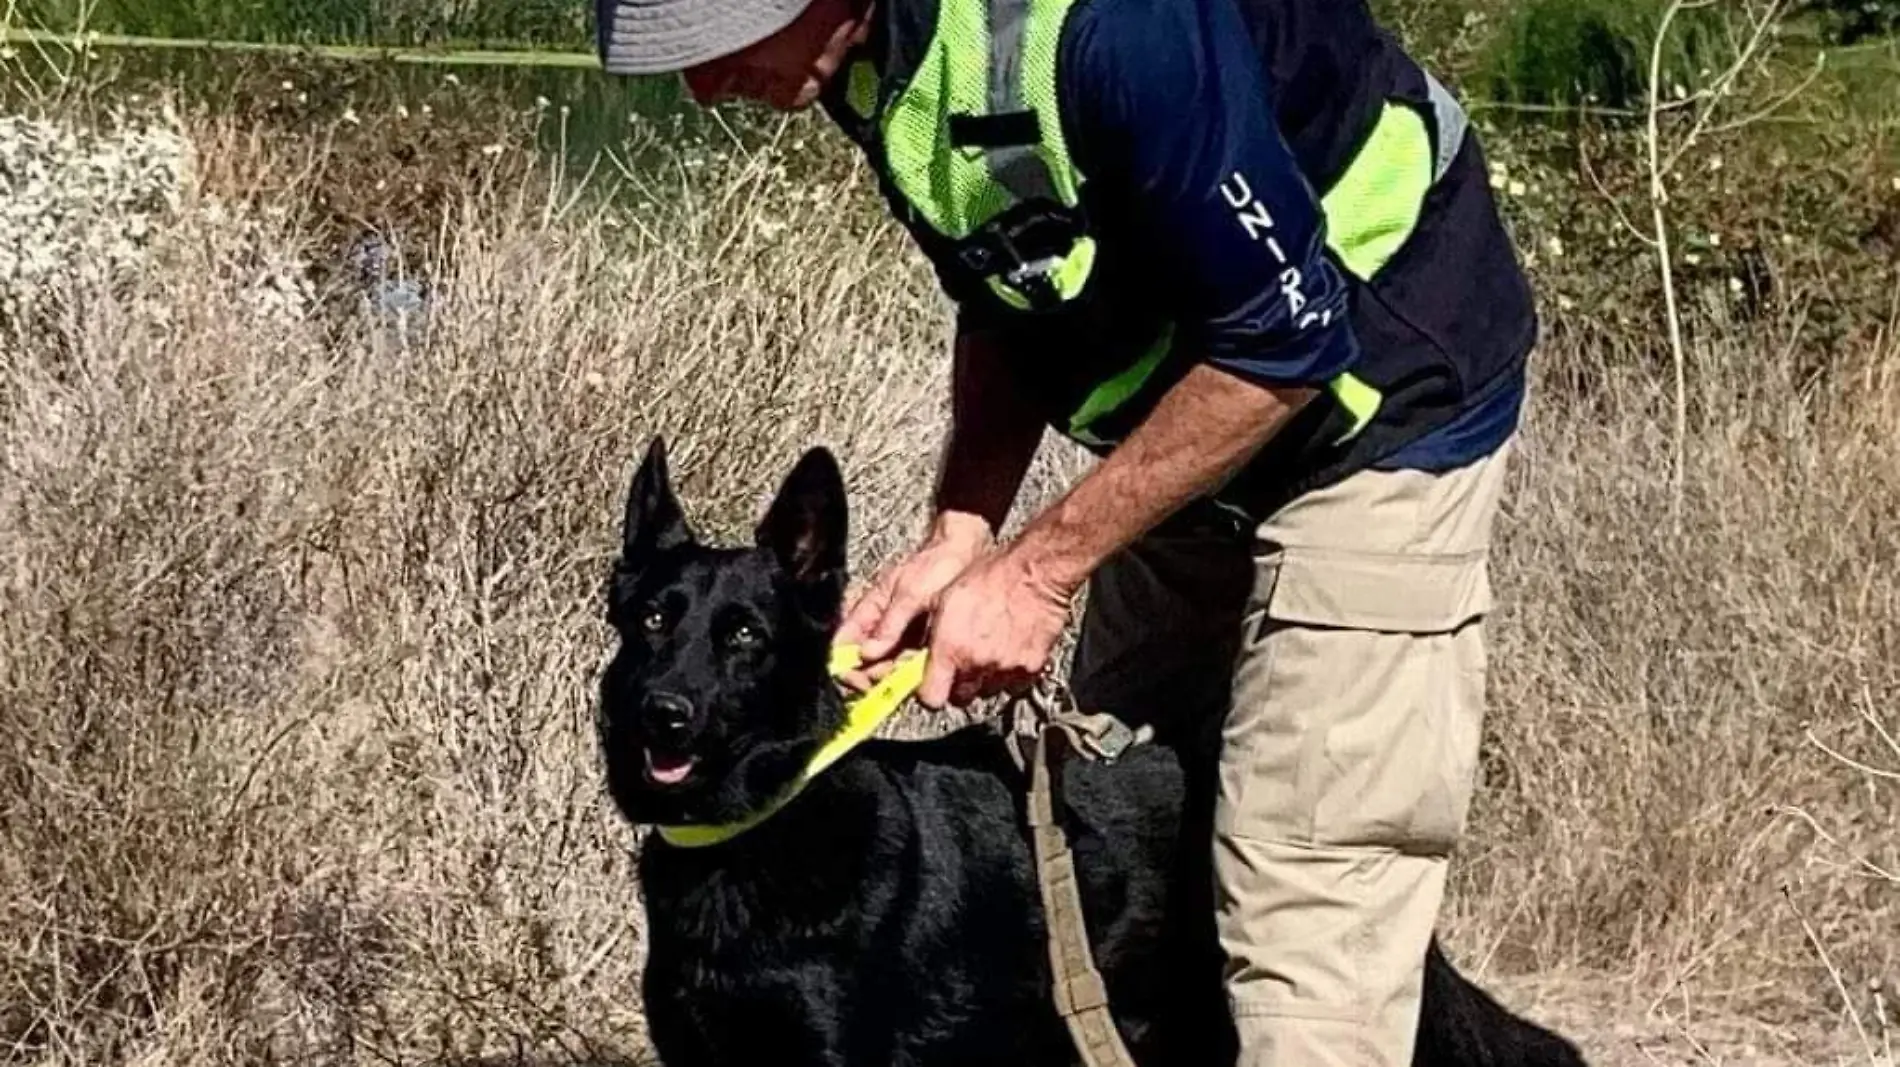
1376 591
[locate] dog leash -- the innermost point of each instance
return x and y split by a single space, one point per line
1046 726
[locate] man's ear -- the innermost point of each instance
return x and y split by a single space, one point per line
654 522
805 529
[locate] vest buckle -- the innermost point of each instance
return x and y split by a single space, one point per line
1024 246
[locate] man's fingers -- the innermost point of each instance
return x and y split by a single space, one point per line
939 674
864 612
899 614
863 678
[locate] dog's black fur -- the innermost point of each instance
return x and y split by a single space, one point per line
889 916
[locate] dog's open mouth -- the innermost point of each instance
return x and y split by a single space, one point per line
665 768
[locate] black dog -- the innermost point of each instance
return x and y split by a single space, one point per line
889 915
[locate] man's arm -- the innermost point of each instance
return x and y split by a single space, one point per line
994 434
1200 433
997 623
1174 117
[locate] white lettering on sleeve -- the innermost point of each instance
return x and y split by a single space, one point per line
1257 221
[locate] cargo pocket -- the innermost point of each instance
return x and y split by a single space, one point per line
1359 700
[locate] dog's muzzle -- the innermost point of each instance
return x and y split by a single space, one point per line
666 720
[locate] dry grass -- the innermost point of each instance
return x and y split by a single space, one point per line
301 630
1658 811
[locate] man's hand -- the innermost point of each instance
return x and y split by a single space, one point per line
890 609
994 432
996 626
993 631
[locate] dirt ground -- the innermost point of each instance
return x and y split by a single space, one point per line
1617 1025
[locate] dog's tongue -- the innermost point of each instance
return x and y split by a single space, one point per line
668 770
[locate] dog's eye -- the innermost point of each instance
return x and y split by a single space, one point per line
745 635
653 621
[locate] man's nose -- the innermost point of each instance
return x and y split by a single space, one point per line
668 718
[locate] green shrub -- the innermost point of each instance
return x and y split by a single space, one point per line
1558 52
1849 21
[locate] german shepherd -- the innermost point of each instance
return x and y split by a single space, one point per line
889 915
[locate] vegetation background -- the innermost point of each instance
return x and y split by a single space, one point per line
320 383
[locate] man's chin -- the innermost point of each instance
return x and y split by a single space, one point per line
796 97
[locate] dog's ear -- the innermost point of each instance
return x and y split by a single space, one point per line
805 527
654 522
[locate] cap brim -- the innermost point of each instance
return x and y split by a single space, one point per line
666 36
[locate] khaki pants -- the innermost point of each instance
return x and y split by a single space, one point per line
1341 648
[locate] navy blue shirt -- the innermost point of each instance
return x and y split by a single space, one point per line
1168 112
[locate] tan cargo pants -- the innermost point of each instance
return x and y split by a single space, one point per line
1345 639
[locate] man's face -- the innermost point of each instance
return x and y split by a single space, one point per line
788 69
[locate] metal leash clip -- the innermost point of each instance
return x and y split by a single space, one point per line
1097 735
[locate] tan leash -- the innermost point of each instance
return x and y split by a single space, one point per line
1045 727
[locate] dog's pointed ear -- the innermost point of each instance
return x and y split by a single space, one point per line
806 526
654 521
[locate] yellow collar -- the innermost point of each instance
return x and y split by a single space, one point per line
862 717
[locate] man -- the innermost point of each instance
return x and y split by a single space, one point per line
1245 251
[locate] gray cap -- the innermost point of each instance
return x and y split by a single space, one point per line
662 36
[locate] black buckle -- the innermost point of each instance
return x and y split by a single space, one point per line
1023 246
1005 130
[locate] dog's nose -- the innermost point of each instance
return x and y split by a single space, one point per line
669 718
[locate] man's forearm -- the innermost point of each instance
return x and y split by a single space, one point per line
1202 431
994 433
